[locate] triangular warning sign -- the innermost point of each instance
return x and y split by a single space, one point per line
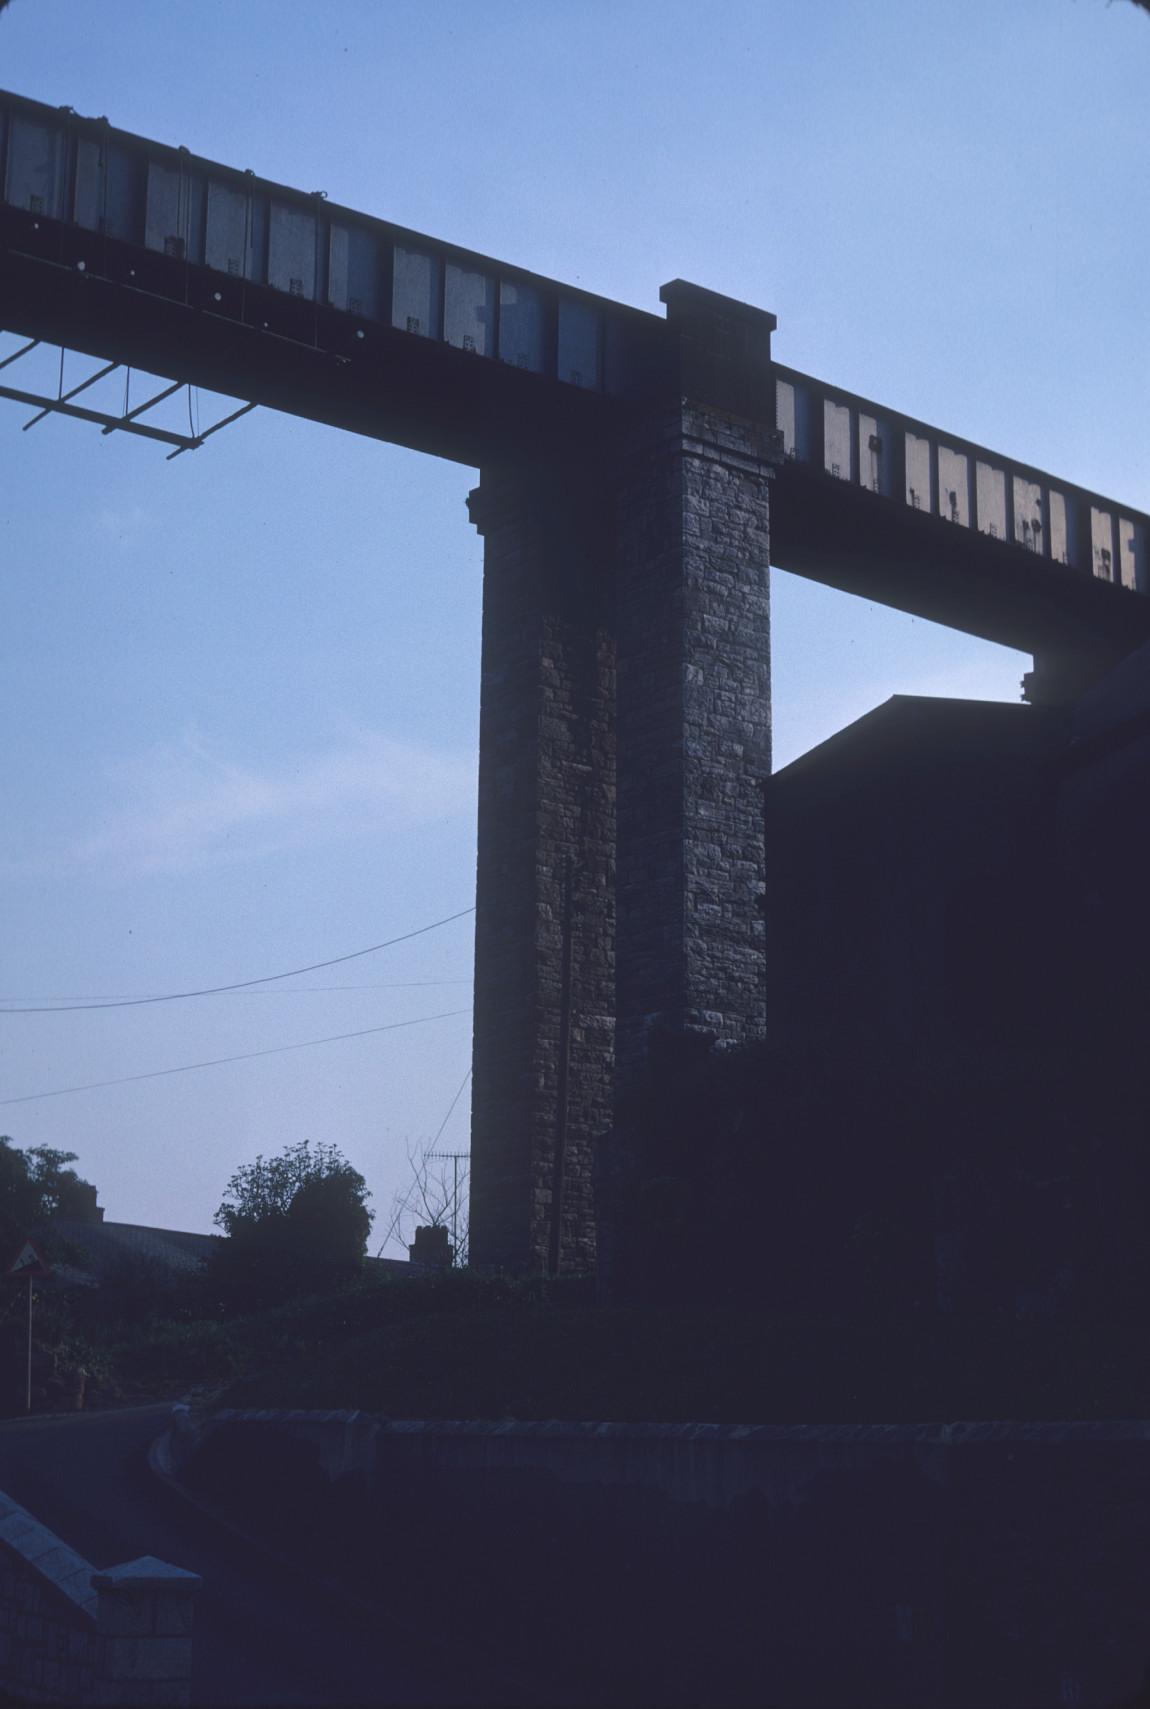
28 1262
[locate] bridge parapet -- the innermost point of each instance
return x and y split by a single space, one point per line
166 223
448 350
958 482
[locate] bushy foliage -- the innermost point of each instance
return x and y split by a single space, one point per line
137 1289
169 1353
211 1349
35 1184
68 1364
316 1321
293 1224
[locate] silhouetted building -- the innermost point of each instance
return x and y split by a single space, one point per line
911 876
956 900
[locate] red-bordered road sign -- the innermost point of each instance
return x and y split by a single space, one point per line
29 1261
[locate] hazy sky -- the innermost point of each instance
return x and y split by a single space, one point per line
241 689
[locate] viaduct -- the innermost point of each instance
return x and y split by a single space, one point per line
638 473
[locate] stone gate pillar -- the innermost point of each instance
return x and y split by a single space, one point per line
625 614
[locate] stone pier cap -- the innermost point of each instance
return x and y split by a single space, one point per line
724 350
147 1574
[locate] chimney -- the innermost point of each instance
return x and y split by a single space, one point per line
431 1247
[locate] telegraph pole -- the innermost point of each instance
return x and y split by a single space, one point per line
28 1262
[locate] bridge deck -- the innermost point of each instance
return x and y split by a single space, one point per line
135 252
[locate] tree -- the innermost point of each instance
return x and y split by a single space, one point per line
434 1197
293 1224
35 1185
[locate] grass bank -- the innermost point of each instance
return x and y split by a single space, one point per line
537 1360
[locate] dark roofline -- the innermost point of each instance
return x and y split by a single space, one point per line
166 1233
919 714
80 1224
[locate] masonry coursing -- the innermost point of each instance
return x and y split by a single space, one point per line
624 730
71 1635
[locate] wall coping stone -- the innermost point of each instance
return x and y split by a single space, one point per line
958 1433
147 1574
280 1414
49 1557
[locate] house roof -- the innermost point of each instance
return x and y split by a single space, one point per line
99 1247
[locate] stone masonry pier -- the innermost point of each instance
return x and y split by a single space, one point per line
624 733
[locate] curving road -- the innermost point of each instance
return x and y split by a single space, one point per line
264 1635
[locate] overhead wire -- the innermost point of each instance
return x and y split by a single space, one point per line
245 1056
450 1109
239 984
107 999
404 1204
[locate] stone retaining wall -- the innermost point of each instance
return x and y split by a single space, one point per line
918 1566
69 1634
48 1637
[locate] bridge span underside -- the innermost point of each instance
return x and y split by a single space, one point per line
637 476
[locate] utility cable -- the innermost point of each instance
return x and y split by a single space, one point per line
450 1108
240 984
397 1216
107 999
404 1204
218 1061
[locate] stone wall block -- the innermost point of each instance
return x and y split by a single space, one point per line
128 1614
152 1694
151 1658
48 1637
145 1618
175 1616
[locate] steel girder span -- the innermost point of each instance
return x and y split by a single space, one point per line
141 254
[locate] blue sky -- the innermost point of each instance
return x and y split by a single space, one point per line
241 689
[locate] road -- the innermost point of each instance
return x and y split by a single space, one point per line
264 1635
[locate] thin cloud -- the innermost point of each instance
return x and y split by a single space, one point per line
190 805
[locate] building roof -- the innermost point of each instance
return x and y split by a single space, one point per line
100 1247
924 726
97 1249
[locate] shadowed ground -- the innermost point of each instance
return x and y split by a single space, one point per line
264 1635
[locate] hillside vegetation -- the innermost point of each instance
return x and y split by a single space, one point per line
462 1348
